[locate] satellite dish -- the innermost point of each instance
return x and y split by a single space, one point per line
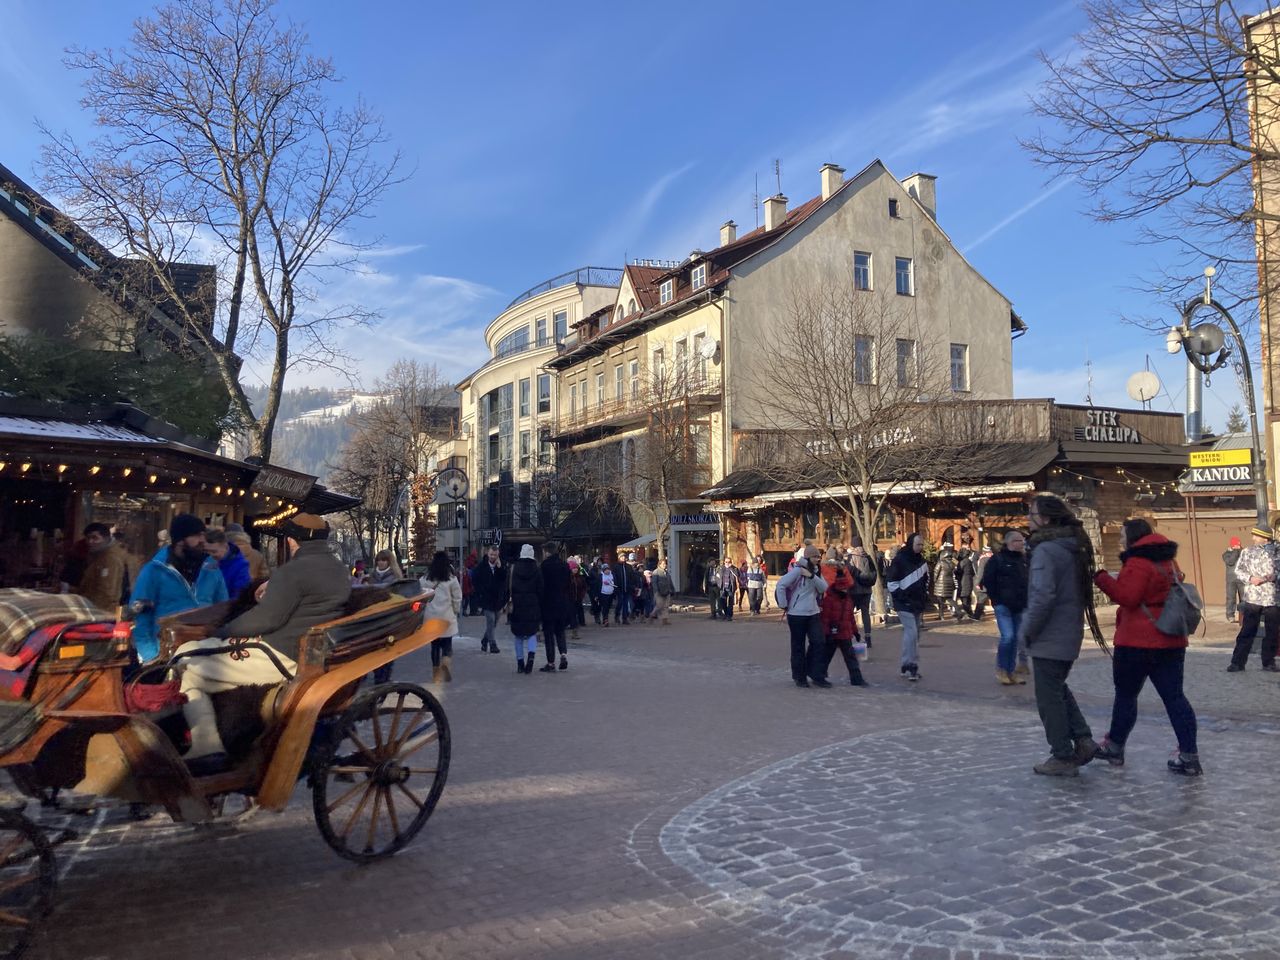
1143 386
708 348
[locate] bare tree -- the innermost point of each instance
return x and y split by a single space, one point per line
669 459
1151 114
219 143
384 462
863 405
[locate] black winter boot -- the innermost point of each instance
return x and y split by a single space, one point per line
528 663
1187 764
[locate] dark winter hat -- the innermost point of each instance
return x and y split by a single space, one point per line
1262 532
184 525
306 526
855 542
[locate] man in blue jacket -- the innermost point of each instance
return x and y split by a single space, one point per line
231 561
179 577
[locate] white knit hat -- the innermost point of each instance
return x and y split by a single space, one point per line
526 552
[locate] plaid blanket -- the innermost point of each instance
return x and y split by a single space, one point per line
24 611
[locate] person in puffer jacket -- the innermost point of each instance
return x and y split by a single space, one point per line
907 580
837 614
526 607
1142 652
798 594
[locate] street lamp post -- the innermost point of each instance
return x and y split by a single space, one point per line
1204 340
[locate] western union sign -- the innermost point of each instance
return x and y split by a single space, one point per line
1221 458
1220 467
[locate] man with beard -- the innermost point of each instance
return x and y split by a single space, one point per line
181 576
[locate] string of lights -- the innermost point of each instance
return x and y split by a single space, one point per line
149 476
1124 478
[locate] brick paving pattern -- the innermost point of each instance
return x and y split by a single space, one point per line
674 796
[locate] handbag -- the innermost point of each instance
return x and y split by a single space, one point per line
1182 611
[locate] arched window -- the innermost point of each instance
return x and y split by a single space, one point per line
631 307
620 314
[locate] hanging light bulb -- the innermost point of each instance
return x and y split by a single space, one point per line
151 478
127 471
62 468
182 481
26 467
93 471
217 489
3 464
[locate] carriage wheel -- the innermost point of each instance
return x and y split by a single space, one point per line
27 881
382 773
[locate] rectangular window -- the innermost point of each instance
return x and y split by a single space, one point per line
699 278
657 371
546 449
893 207
666 291
682 362
618 376
560 325
600 389
861 270
493 453
524 397
540 331
573 399
699 361
526 449
905 275
633 372
864 359
544 393
906 363
960 367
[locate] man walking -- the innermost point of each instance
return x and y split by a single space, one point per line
557 607
908 582
489 588
1059 590
1256 571
1229 560
1004 581
105 582
756 580
663 588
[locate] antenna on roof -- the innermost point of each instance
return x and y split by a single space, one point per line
777 172
1088 393
755 201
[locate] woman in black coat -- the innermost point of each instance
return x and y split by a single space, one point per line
524 607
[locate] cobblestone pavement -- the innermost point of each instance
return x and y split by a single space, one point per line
674 796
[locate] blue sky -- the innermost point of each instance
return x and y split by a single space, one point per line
542 137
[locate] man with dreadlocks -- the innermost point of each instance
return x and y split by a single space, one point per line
1059 596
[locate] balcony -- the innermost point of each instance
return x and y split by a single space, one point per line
583 276
699 388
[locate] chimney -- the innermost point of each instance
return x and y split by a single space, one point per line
924 187
832 177
775 211
728 232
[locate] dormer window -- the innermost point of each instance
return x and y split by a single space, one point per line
666 291
620 314
631 307
698 279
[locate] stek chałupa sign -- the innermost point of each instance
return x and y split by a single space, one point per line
1212 468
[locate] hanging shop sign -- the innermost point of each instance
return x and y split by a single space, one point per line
277 482
694 520
1215 468
1104 426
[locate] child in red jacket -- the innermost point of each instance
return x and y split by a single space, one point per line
837 613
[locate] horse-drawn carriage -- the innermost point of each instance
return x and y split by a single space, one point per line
376 756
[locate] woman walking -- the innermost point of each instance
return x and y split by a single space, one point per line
1142 652
944 581
446 604
605 590
837 612
525 607
1059 593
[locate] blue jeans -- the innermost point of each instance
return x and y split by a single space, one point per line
1131 668
1007 653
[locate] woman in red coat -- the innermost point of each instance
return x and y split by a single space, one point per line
837 613
1141 651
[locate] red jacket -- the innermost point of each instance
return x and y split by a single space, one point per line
1144 579
837 604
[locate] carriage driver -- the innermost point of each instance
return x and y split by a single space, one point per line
312 588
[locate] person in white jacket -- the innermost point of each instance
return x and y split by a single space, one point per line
799 595
445 604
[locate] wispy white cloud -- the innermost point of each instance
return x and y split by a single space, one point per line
624 229
1018 214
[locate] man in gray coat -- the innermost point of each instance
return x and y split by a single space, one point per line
312 588
1053 628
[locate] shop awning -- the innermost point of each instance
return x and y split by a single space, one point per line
644 541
